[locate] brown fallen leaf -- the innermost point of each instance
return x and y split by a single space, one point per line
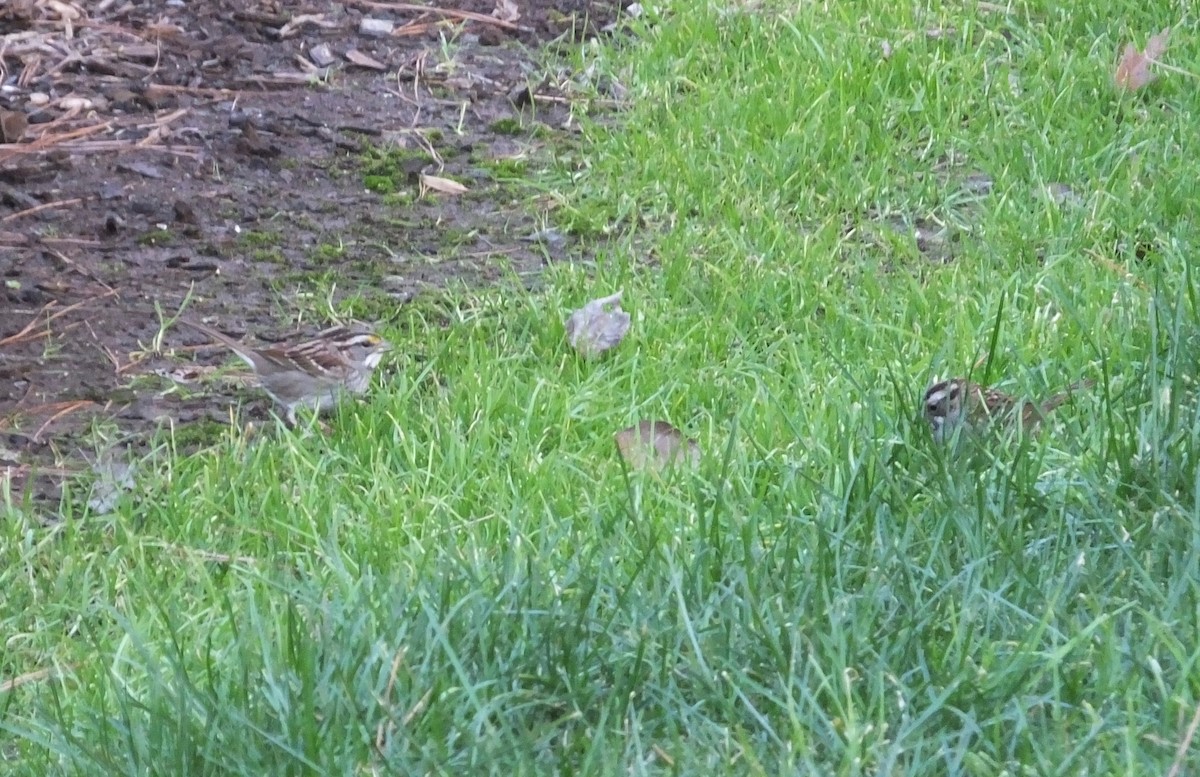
12 126
655 445
598 326
1133 70
443 185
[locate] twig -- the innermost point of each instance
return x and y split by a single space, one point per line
205 555
452 13
1185 745
108 145
196 90
134 360
412 28
39 208
23 470
70 408
85 273
47 139
20 336
601 101
384 730
31 677
68 241
1117 269
166 118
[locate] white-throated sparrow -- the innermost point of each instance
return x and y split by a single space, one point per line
314 372
950 404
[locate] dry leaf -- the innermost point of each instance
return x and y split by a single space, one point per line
655 445
12 126
114 477
595 327
1133 71
443 185
506 11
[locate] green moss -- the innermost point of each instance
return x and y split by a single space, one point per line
398 198
458 237
201 433
380 184
268 255
156 237
327 252
391 160
506 168
253 238
509 125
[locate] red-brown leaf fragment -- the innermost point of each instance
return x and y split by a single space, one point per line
1133 70
655 445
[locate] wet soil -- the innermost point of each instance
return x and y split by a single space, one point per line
240 160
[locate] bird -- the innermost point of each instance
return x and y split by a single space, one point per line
310 373
957 402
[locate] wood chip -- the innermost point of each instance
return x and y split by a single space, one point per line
356 57
65 10
443 185
375 28
76 103
143 169
14 238
322 55
142 52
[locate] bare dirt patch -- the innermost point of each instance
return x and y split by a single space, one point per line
246 157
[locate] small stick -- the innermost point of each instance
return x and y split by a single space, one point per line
454 14
1185 745
11 339
39 208
70 408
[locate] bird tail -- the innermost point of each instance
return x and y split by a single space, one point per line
1063 396
233 345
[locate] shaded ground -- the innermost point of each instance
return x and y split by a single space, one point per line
161 150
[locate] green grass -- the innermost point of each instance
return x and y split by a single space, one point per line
461 578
